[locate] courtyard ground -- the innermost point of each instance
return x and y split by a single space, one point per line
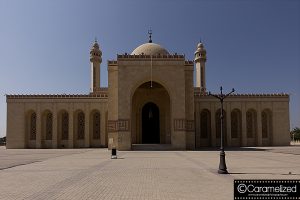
91 174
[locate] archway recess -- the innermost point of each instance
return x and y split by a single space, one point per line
150 115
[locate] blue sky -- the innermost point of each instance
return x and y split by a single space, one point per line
252 45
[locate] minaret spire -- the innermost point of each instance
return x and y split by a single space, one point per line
200 60
95 59
150 35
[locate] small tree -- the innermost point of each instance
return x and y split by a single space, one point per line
2 140
296 133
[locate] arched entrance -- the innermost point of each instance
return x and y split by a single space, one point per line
150 124
150 115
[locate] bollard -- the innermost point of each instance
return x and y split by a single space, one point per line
114 153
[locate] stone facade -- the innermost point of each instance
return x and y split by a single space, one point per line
150 98
250 120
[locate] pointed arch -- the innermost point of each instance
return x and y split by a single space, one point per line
65 125
47 129
205 128
236 127
204 134
251 124
32 135
95 128
81 125
79 129
218 126
49 121
96 125
267 127
31 123
62 129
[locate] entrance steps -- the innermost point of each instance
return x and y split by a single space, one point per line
151 147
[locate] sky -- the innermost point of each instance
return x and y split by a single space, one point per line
252 45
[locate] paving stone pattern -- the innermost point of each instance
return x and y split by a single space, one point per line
91 174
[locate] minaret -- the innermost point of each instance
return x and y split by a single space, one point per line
200 59
96 59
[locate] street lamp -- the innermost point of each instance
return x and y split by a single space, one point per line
222 164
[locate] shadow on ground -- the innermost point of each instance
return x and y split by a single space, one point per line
232 149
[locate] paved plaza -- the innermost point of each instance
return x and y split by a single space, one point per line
91 174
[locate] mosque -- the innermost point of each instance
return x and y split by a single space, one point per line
151 100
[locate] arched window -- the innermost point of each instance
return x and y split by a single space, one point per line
205 123
236 123
96 125
218 124
49 126
65 126
266 122
80 130
32 126
251 123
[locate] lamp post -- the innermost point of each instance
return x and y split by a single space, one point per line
222 164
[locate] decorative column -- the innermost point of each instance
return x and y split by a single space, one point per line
54 128
259 125
244 125
87 126
71 127
38 141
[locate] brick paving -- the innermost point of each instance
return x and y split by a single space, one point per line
91 174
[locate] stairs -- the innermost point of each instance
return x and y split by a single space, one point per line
151 147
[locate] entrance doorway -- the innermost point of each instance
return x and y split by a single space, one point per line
150 124
157 128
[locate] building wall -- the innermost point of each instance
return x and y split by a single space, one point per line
15 137
19 111
128 73
276 107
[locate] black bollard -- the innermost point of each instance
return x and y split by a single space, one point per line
113 153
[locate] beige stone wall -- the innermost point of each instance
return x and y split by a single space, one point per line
278 105
281 124
15 135
189 105
19 110
112 105
18 113
127 74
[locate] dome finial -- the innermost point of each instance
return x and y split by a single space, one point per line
95 39
150 35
